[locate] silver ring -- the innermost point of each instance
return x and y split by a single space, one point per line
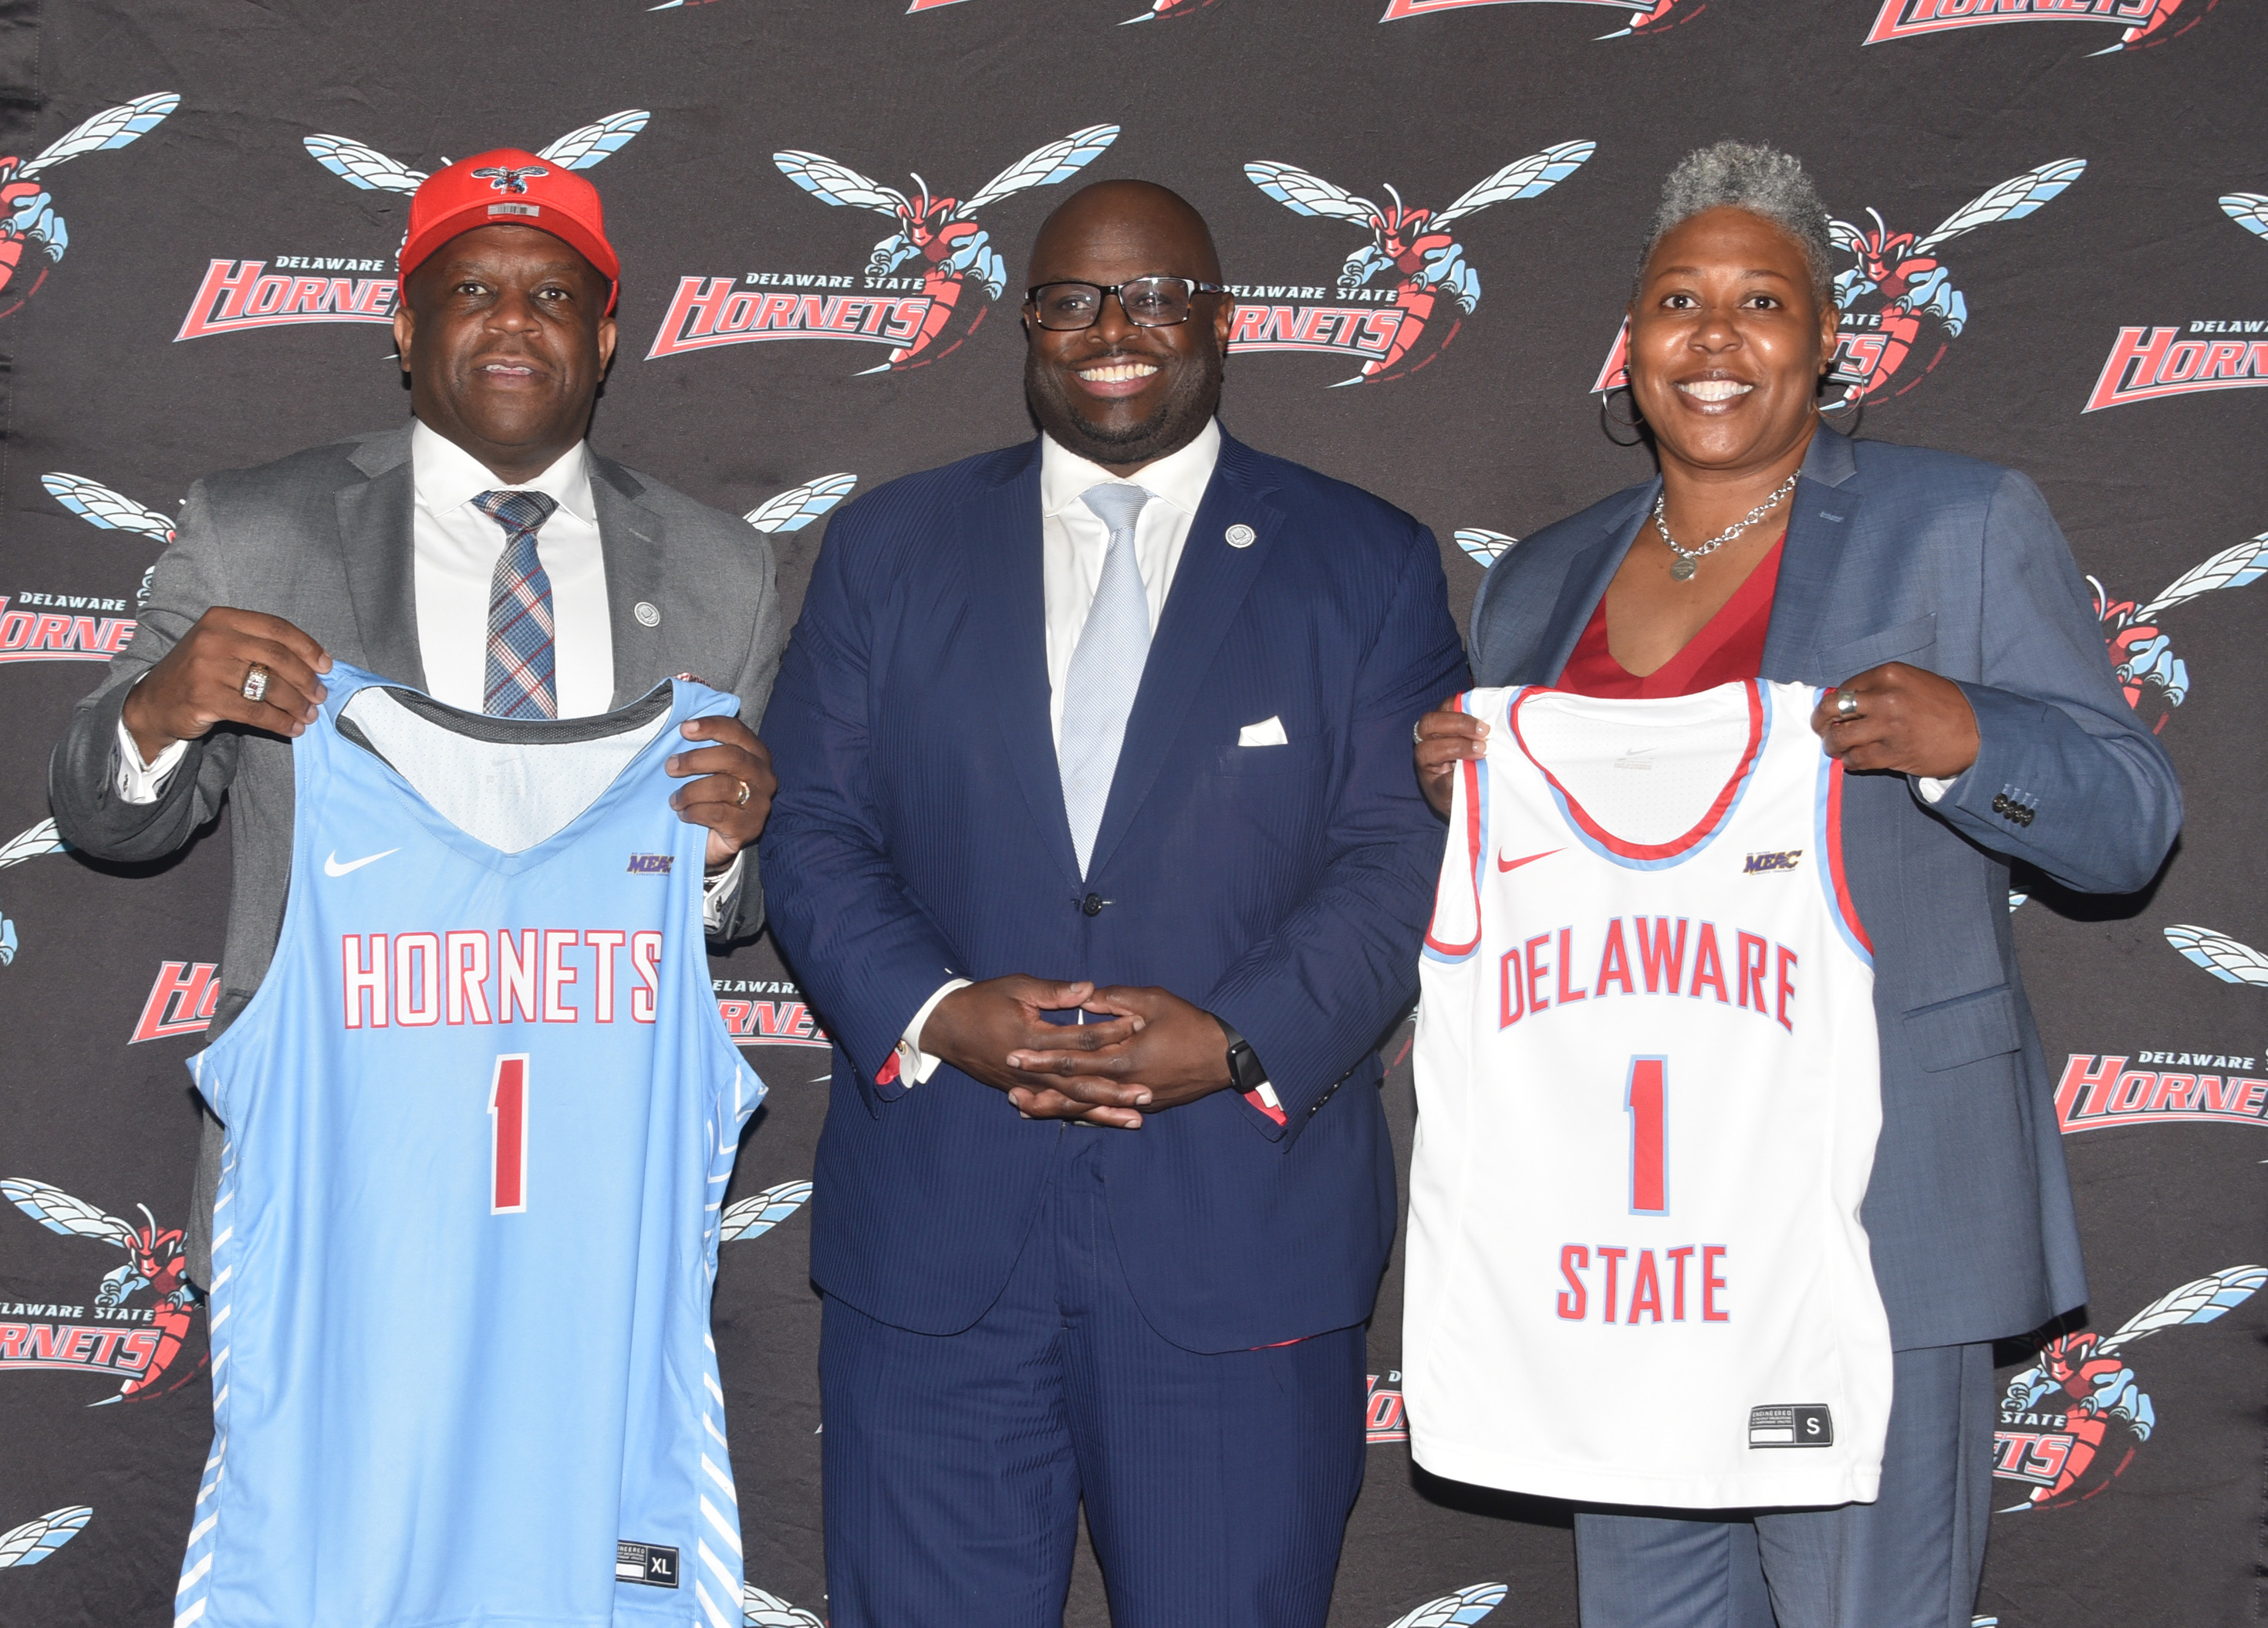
256 683
1418 731
1846 705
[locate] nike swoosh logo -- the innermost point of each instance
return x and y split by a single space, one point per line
332 867
1503 864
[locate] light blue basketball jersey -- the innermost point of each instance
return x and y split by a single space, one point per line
481 1115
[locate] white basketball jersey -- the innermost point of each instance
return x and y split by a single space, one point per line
1648 1093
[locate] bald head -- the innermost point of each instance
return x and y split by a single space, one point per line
1154 225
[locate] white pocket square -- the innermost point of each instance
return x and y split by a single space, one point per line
1268 732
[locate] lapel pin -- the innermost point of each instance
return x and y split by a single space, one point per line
647 615
1241 536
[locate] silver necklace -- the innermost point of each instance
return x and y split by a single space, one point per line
1682 568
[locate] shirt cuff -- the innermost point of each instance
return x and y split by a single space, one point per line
1932 791
145 783
916 1065
717 888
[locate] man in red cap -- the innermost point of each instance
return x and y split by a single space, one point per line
482 552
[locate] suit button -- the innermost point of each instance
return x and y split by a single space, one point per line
1092 904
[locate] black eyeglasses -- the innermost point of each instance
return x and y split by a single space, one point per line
1148 302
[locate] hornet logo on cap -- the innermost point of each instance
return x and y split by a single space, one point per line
1898 297
508 180
28 220
1414 263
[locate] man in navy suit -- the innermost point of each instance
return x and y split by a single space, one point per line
1099 853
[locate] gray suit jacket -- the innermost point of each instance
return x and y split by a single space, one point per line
1901 554
322 538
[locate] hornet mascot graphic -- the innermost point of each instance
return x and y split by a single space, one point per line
1901 278
369 171
28 221
154 1261
2096 1409
2157 680
1413 248
940 235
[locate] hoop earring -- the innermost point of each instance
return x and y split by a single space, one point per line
1609 422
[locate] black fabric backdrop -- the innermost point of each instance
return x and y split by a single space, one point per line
132 368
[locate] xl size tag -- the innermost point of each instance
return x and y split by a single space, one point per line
645 1563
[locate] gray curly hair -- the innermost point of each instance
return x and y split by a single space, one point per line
1763 180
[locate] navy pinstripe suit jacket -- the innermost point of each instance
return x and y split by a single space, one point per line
919 834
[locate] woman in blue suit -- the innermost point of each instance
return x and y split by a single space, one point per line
1937 597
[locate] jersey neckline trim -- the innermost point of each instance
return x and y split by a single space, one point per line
347 682
1651 856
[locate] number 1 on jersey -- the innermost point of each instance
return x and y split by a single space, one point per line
508 1136
1647 1100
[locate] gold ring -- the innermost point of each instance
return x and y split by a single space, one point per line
256 683
742 801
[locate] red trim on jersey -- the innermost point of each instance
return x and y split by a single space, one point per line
1471 769
1702 827
1835 856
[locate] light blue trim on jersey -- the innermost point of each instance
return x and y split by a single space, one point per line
1480 858
434 1408
1830 857
1763 692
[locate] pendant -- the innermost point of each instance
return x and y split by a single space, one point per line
1682 568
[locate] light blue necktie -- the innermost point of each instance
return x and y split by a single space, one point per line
1106 668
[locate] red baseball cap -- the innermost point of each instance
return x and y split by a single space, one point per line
510 187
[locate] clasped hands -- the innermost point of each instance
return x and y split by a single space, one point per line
1153 1049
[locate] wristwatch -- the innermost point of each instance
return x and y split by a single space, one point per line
1245 1073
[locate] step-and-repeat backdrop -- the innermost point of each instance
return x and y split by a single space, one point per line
2053 253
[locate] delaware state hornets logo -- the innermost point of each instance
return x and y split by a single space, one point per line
1641 17
1411 261
32 237
238 294
2070 1426
2150 363
139 1345
1898 299
2141 23
936 275
2155 680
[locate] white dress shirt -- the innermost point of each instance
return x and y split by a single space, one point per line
454 547
1072 541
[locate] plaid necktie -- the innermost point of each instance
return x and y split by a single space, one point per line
519 680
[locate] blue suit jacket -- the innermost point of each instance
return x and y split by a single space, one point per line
919 834
1900 553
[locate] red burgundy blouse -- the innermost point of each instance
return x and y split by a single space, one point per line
1729 647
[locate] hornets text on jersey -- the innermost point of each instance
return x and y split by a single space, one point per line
480 1117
